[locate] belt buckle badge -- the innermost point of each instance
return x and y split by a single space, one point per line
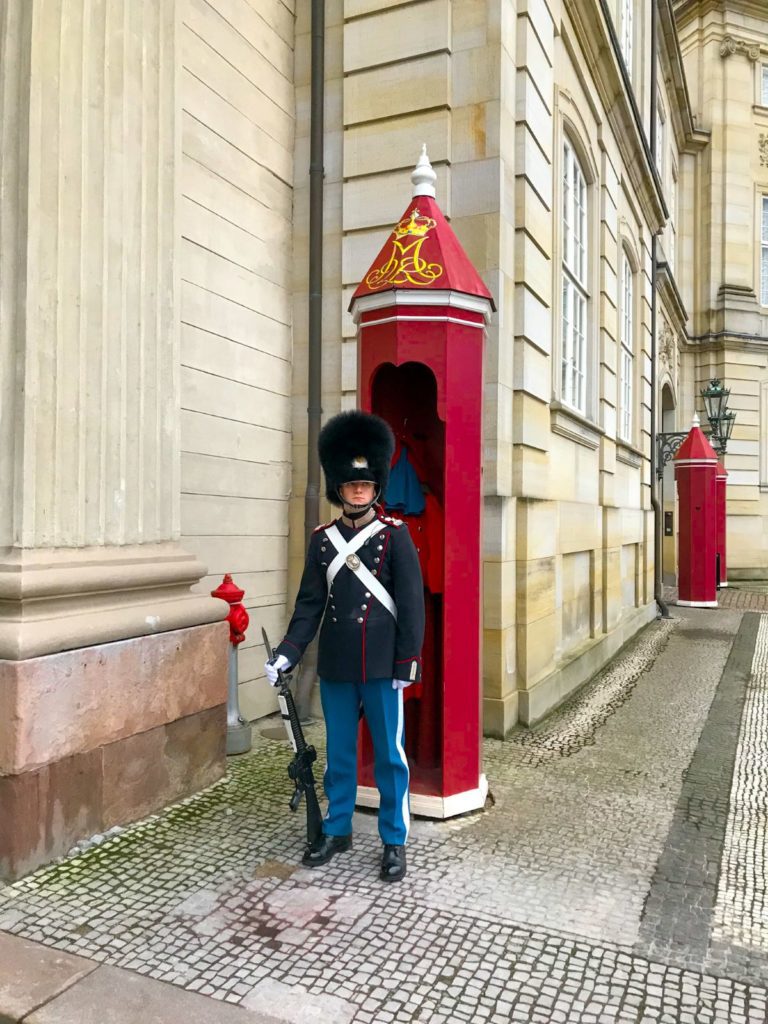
353 562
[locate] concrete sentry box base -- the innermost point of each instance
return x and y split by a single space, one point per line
104 735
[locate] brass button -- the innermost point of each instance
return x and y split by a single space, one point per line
360 619
367 594
364 607
335 620
333 607
377 560
380 547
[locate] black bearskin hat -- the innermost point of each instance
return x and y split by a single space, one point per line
355 445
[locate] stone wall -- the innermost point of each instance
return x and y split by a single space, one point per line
112 670
725 52
567 563
236 97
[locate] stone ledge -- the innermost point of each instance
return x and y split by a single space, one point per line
66 704
31 975
61 599
575 427
629 455
121 997
46 811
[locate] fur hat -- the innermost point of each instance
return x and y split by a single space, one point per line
355 445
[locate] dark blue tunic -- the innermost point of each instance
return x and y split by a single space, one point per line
359 638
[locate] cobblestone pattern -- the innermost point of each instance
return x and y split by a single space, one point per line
732 598
527 912
741 908
579 718
678 913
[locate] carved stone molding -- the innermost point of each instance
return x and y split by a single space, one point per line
666 344
731 45
762 146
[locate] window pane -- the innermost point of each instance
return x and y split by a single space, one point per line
567 203
764 90
580 349
626 33
626 395
566 337
627 349
626 319
660 141
765 218
574 270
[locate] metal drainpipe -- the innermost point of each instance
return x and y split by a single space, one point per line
315 337
658 591
316 173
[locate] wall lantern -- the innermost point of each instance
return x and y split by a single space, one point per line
715 398
721 421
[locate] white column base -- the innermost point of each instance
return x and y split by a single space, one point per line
434 806
723 583
697 604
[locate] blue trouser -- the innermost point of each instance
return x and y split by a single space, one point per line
383 709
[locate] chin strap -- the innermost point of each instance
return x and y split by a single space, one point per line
359 510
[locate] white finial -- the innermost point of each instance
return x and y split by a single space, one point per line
423 176
696 421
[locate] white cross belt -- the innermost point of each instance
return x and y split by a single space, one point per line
346 549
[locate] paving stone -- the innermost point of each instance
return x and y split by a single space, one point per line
113 996
534 910
294 1003
31 974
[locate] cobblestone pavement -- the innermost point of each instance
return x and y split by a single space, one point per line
618 873
734 597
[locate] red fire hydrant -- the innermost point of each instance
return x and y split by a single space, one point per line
238 730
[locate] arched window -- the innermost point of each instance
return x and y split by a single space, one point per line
574 273
625 32
627 348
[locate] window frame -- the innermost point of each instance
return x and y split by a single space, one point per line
661 139
763 260
673 200
625 421
762 85
575 294
626 33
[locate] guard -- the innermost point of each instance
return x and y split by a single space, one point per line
363 581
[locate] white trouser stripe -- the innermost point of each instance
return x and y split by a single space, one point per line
399 733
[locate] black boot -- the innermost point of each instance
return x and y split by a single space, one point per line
392 863
325 847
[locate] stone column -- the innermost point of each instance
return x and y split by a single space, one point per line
89 424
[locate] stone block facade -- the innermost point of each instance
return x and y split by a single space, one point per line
159 437
105 735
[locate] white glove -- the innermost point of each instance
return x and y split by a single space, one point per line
278 664
400 684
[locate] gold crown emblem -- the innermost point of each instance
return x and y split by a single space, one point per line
416 224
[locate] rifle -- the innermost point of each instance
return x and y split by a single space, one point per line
304 755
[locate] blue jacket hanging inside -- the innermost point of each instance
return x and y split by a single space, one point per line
404 493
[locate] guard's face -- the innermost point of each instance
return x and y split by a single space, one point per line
358 492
